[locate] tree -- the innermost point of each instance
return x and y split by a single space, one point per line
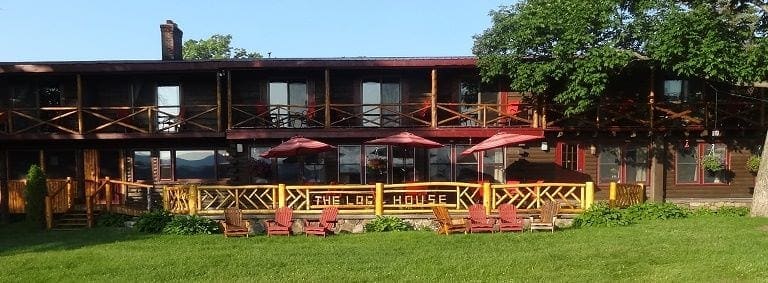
215 47
34 197
570 50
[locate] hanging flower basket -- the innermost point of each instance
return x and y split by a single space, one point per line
712 163
753 164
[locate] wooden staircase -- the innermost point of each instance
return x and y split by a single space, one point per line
72 220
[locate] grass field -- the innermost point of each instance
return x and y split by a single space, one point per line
705 248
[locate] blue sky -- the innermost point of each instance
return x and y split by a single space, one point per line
126 30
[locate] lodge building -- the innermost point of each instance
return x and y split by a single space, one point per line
175 121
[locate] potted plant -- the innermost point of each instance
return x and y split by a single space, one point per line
712 163
753 164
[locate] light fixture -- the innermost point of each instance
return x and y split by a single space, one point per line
715 133
559 134
634 134
544 146
592 149
239 147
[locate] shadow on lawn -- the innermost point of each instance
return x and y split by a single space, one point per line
17 238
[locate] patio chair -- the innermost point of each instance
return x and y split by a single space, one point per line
447 225
478 221
281 225
508 218
326 224
547 217
234 224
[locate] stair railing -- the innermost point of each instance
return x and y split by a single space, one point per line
107 186
50 206
89 199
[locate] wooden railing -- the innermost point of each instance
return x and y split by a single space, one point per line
625 195
110 119
61 195
376 199
59 199
109 187
487 115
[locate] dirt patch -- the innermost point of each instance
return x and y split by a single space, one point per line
763 228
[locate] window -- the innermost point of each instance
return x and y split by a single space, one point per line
195 164
60 164
690 171
349 164
381 100
288 103
469 99
376 164
623 164
222 164
493 165
466 165
570 156
261 168
166 166
440 164
314 169
403 168
168 108
142 165
676 90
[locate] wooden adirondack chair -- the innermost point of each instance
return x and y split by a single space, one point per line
234 224
547 217
326 224
447 225
281 225
508 219
478 221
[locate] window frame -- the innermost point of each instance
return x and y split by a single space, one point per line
701 151
378 116
623 165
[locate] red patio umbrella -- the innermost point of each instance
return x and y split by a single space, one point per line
296 146
499 140
406 139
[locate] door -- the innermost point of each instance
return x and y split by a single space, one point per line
97 165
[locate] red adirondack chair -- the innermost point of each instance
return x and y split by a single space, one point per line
478 221
508 219
281 225
326 224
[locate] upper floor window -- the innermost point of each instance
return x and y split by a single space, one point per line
688 164
288 103
381 103
168 108
676 90
469 98
628 164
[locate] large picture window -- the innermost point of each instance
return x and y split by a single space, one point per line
349 164
142 165
260 167
628 164
181 164
376 164
466 165
689 169
440 164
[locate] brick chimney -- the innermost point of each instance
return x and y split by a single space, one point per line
170 35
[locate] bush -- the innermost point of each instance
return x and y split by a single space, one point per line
753 164
191 225
653 210
601 215
153 222
107 219
387 223
733 211
34 197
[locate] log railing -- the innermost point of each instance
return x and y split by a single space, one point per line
59 199
109 187
487 115
624 195
374 199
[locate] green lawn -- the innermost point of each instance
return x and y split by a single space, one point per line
695 249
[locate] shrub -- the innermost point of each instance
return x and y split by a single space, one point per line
190 225
107 219
753 164
387 223
601 215
733 211
653 210
153 222
34 196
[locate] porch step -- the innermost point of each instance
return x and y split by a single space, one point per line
73 220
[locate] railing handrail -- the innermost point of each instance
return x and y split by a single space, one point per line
49 209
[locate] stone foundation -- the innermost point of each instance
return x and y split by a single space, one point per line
711 203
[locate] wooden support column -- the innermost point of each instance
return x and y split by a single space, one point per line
658 152
433 100
379 199
651 100
612 194
487 197
192 199
229 100
281 195
218 101
327 122
108 193
79 80
589 197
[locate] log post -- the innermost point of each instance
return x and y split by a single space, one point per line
612 194
48 213
487 197
379 199
433 100
229 99
281 195
590 195
108 194
80 121
327 122
192 199
166 199
89 210
218 101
